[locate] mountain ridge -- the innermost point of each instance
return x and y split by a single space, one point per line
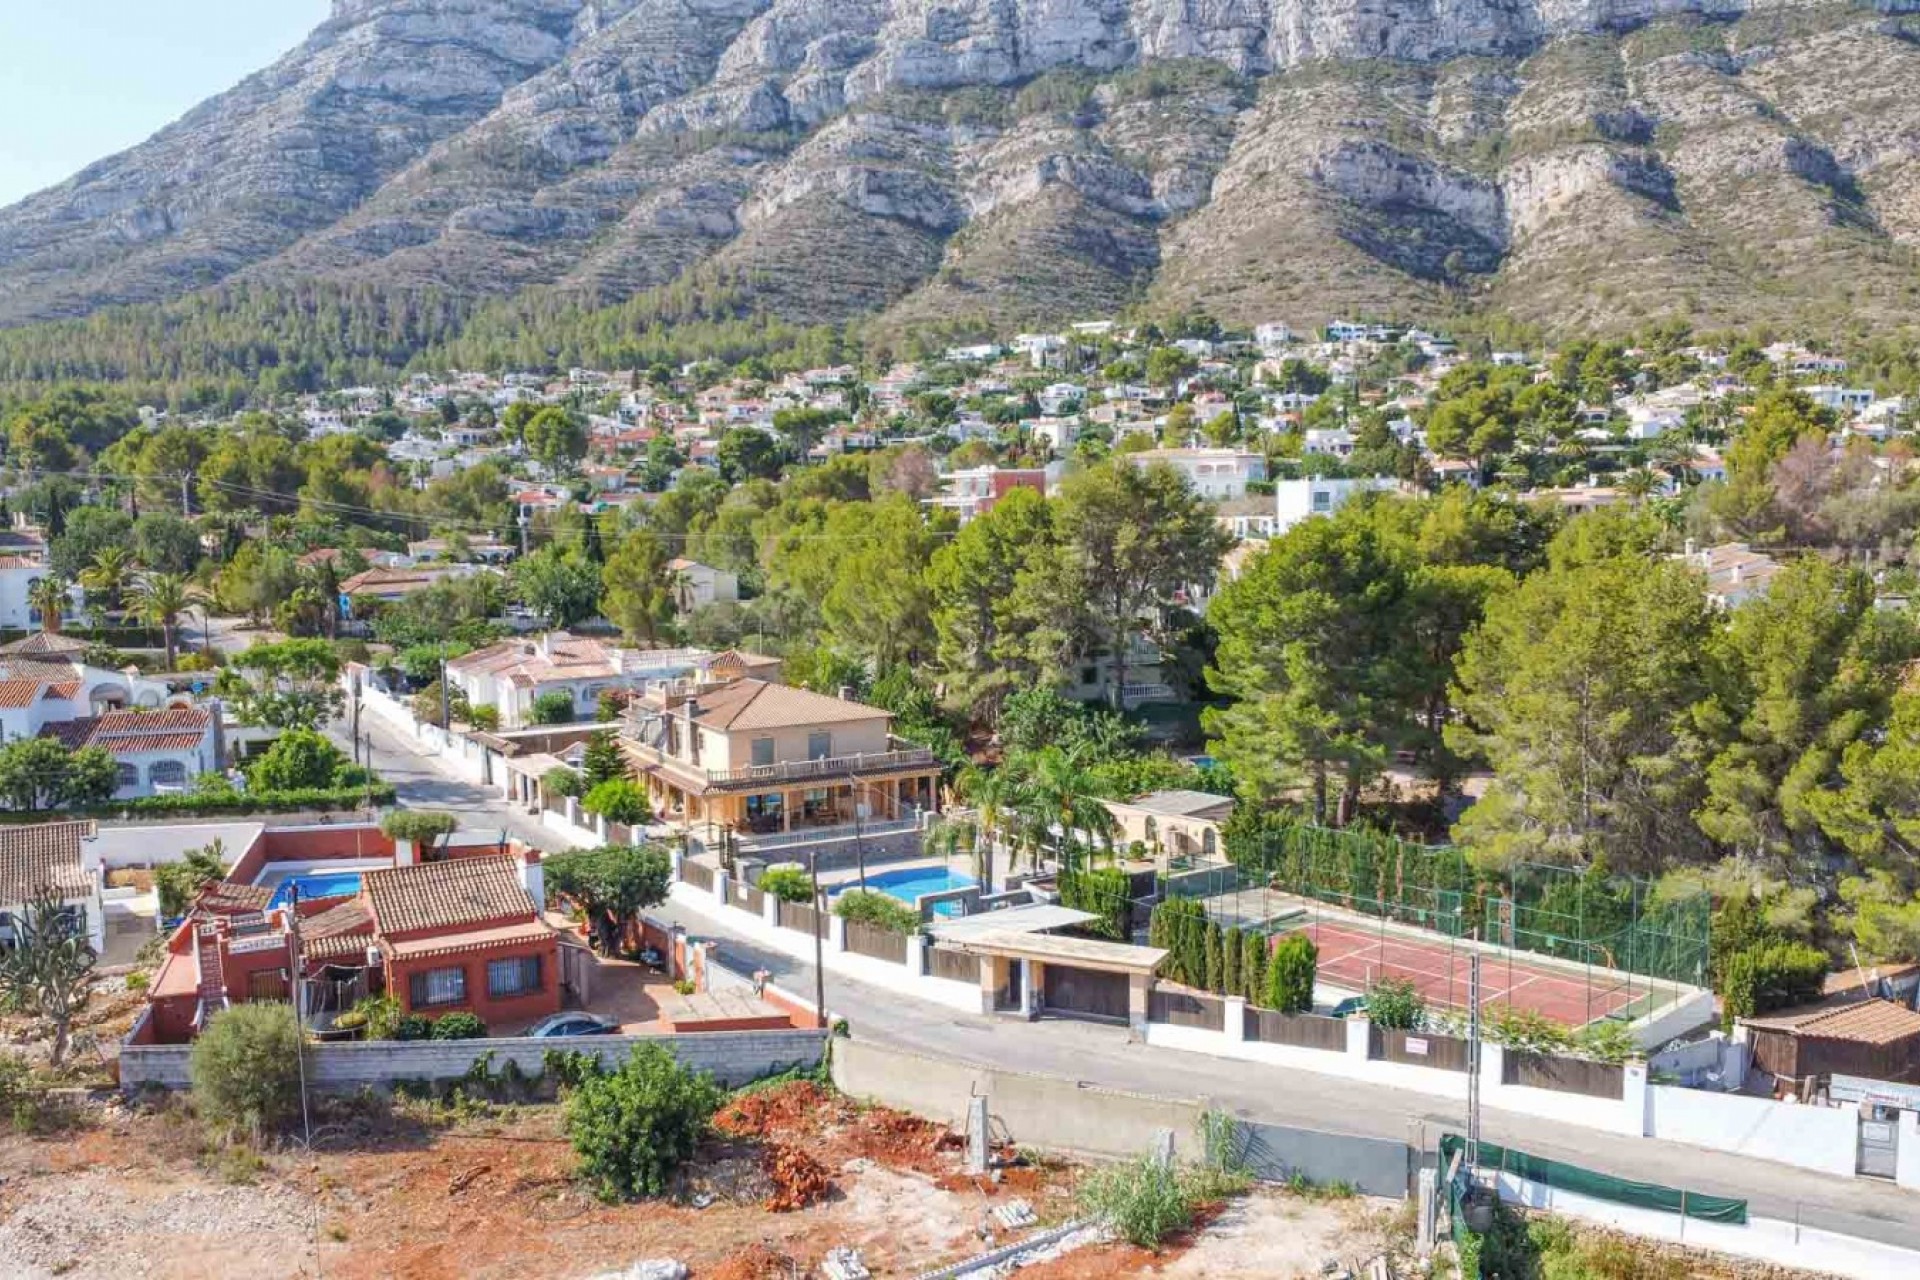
1578 165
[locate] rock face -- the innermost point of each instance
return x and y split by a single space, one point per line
1583 163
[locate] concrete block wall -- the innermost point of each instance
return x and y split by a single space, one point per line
734 1058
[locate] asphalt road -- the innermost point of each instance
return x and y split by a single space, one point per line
1099 1054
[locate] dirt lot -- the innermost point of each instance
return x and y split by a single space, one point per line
490 1195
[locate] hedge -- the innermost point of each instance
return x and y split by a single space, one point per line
323 799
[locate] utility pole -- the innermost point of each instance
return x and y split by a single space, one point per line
819 944
446 701
1473 1063
299 1009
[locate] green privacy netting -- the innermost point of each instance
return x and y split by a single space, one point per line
1601 1186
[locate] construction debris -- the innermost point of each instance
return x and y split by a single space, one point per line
462 1181
654 1269
1014 1215
798 1179
842 1263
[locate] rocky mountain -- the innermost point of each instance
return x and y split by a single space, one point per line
1577 163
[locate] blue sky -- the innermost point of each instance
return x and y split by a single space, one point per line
82 79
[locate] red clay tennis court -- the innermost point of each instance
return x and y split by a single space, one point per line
1356 957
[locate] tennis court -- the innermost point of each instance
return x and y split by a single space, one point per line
1355 956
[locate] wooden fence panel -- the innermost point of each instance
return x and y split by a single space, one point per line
696 875
960 966
1187 1009
752 897
797 915
1418 1049
871 940
1302 1030
1566 1075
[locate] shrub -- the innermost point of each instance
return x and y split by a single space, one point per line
194 804
619 800
1771 975
1253 967
299 760
634 1127
1525 1029
553 707
865 906
563 782
603 761
414 1026
378 1016
789 884
486 719
1106 893
1179 926
1233 948
459 1026
246 1068
1395 1005
1216 967
1606 1041
179 883
1290 974
425 829
1146 1201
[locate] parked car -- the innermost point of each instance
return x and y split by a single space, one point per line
1350 1006
572 1024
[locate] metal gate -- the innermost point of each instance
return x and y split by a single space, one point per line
1879 1141
1086 993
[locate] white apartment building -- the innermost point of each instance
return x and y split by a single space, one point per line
1213 473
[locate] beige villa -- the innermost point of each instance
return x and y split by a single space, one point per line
758 758
1173 824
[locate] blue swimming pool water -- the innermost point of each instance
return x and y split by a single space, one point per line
317 884
908 884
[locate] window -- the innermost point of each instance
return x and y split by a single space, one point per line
168 773
1323 501
438 986
1209 845
1153 831
1088 675
763 751
819 746
125 777
513 977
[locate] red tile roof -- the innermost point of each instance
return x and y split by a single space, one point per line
482 891
132 732
757 704
43 856
1870 1022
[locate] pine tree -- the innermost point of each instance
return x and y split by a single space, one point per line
602 761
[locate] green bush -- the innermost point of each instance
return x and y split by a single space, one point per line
866 906
1233 950
414 1026
1290 974
1106 893
299 760
563 782
1216 963
1179 925
789 884
1395 1005
554 707
485 719
1771 975
633 1128
619 800
179 883
1145 1201
245 1068
1253 967
459 1026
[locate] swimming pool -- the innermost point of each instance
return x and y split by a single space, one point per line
909 883
316 884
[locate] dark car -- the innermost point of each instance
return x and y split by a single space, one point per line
572 1024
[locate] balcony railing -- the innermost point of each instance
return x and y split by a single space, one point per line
827 769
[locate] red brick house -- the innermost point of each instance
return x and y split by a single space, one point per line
464 935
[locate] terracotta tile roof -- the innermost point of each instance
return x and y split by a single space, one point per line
756 704
438 895
473 940
43 856
23 692
227 897
124 733
342 930
1869 1022
44 643
532 662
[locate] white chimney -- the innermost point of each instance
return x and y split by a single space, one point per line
534 877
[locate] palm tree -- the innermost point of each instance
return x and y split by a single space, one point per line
1639 484
108 577
49 598
160 599
1064 795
